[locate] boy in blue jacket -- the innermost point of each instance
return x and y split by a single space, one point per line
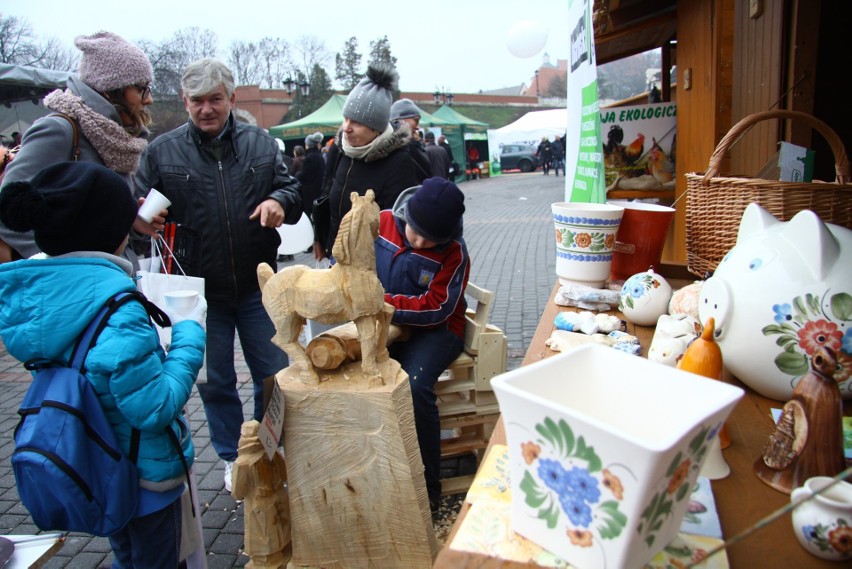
81 214
423 265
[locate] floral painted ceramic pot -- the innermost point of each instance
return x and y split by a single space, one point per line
782 292
585 237
823 525
604 448
644 298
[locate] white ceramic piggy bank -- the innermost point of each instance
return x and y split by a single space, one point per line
784 290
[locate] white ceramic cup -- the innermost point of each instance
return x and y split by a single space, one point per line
154 203
822 523
181 301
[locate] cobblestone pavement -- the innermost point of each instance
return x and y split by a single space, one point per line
509 237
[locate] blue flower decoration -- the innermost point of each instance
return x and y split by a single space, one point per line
847 341
755 264
553 474
637 290
583 484
783 312
578 511
809 532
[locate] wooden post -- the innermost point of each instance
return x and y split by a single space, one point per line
357 493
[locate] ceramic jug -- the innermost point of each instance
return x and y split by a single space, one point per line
823 524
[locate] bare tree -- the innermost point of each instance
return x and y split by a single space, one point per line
265 63
17 43
310 52
170 57
275 60
244 60
59 57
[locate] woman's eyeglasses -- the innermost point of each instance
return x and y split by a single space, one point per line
144 90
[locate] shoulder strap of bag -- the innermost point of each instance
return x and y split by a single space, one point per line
75 149
90 336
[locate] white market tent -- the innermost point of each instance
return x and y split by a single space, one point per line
529 129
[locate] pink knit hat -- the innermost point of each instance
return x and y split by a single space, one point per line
110 62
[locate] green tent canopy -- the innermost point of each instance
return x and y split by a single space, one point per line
326 119
464 131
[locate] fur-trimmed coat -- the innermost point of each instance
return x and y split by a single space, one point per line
388 169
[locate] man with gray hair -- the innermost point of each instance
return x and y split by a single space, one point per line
227 181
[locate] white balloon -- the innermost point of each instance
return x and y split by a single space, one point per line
526 38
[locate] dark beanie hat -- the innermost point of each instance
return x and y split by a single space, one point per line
435 210
71 206
369 102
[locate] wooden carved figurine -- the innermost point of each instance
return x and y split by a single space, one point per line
349 290
261 483
808 439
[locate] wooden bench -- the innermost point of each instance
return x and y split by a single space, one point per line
466 402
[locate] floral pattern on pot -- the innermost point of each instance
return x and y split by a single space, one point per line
593 241
566 484
683 468
835 538
636 287
808 323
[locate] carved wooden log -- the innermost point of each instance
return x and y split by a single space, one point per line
260 482
357 493
332 348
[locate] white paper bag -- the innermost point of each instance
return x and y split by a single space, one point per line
155 284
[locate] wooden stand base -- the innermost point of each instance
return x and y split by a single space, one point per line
357 493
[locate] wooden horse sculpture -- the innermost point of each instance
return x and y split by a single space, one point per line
349 290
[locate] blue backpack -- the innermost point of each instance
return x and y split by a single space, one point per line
69 468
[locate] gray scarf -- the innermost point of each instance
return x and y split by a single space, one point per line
119 150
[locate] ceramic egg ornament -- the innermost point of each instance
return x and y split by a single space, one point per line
644 298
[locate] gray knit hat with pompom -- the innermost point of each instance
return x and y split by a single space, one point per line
369 103
110 62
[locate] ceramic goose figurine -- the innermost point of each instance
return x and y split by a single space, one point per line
808 439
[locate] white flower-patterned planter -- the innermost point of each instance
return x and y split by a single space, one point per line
604 447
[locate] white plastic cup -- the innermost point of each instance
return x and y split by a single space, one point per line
181 301
154 203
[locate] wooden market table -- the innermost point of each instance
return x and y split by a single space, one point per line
741 498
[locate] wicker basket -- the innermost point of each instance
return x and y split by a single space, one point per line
715 204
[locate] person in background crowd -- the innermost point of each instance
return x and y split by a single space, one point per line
298 159
81 214
405 112
558 155
472 161
227 181
16 139
311 174
106 104
442 142
545 155
438 158
423 265
368 153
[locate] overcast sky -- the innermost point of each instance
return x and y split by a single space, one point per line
457 45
